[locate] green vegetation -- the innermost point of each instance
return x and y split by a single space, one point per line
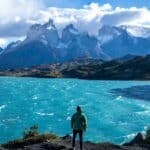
31 136
32 132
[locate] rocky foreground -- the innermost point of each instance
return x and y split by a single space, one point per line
64 143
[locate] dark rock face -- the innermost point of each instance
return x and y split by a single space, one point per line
27 55
138 139
69 33
1 49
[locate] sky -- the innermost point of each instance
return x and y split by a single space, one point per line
16 16
114 3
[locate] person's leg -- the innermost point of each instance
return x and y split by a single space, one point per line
74 138
81 139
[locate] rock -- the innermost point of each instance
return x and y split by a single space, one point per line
1 148
45 146
138 139
49 146
65 143
66 137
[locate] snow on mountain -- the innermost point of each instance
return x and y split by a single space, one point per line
13 44
125 43
107 33
137 31
69 33
47 33
49 25
43 45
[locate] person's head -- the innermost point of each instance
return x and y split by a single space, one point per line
79 109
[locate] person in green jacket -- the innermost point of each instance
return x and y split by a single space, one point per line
79 125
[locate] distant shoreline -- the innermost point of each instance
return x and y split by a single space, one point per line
88 69
36 77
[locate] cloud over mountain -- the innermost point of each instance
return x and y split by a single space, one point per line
16 16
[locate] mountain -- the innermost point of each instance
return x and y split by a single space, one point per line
36 49
126 58
132 69
43 45
137 31
46 33
1 49
120 43
108 33
11 46
69 33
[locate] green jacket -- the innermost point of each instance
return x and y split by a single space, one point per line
78 121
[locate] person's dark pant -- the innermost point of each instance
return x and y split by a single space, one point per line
75 132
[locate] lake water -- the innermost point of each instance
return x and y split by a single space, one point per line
114 117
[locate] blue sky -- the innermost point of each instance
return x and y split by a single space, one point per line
16 16
114 3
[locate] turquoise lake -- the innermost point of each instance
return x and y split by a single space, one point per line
50 103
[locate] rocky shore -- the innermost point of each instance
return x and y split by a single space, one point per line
64 143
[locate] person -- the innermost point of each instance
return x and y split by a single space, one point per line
79 125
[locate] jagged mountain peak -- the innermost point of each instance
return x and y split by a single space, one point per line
71 29
35 27
69 33
137 31
43 45
107 33
46 33
71 26
49 25
107 30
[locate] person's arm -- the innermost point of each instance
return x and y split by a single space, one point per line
72 121
85 123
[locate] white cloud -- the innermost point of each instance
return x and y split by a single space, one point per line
91 17
16 16
127 16
85 19
22 9
3 42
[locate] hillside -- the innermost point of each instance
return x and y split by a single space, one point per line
136 68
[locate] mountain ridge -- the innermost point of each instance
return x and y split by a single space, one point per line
43 45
